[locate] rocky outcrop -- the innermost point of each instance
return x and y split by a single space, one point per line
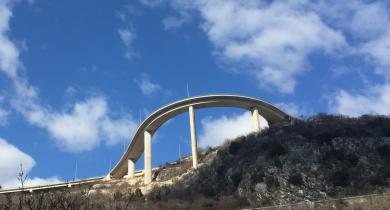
318 158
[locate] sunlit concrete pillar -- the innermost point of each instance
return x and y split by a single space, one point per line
256 119
130 169
193 138
147 157
108 177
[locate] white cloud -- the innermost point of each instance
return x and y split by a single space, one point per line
176 21
9 54
146 86
362 19
30 182
379 51
79 129
376 100
368 23
371 24
273 39
216 130
14 157
3 116
3 113
10 168
293 109
128 36
152 3
369 20
127 32
119 130
83 127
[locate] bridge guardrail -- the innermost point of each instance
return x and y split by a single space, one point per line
60 185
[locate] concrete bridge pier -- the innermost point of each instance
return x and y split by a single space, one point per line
256 119
130 169
147 157
194 146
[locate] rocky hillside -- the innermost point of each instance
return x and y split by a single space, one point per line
318 158
323 157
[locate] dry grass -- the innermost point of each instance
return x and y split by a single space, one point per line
173 170
367 202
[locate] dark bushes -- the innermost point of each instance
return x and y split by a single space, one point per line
295 179
276 148
340 178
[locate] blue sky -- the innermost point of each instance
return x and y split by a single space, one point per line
77 77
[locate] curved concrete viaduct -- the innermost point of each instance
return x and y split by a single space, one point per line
141 142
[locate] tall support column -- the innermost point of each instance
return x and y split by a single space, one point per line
193 138
147 157
130 169
256 119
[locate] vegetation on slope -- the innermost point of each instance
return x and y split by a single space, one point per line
318 158
322 157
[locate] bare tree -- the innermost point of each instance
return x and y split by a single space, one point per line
22 176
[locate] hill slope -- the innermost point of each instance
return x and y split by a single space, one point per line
315 159
321 157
